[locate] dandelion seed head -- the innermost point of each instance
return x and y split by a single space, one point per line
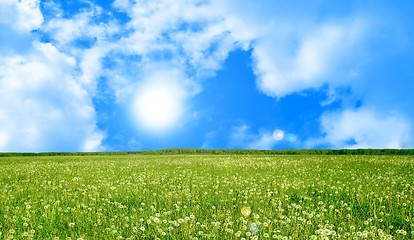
253 228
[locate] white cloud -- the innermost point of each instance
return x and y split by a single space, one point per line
91 66
317 59
364 128
43 107
87 40
22 15
122 4
93 142
242 137
264 141
181 32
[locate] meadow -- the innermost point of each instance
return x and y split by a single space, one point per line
207 197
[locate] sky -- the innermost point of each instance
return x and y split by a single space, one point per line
125 75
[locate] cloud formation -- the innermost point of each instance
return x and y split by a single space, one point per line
284 70
21 16
43 106
364 128
306 51
242 137
135 47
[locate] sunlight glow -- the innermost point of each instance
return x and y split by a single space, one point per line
291 137
278 135
157 107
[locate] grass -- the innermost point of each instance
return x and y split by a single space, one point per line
201 197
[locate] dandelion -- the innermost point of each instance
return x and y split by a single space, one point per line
402 232
71 225
246 211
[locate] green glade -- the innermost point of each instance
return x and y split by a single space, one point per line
202 197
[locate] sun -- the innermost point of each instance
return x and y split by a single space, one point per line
157 107
278 135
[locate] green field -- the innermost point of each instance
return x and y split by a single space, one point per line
201 197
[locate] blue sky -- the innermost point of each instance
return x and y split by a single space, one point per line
124 75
